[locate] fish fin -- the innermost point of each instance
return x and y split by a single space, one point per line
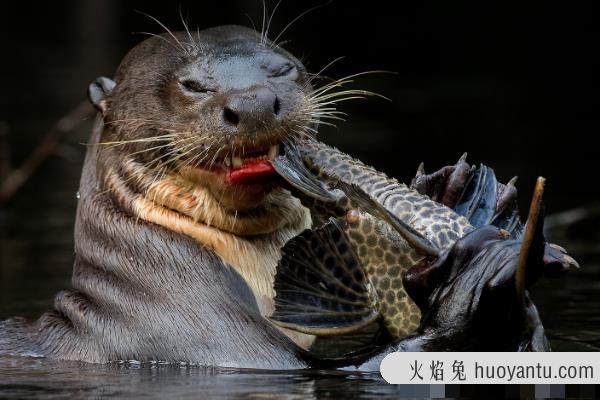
509 219
291 168
365 202
320 286
474 193
507 210
478 200
485 201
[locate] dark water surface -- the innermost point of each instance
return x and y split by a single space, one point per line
26 377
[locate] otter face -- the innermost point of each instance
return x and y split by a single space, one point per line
213 108
237 106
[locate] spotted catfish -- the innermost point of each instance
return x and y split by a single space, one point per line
369 231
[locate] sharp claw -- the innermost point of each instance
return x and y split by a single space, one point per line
557 247
512 181
571 261
462 158
421 169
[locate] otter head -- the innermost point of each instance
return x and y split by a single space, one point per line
204 111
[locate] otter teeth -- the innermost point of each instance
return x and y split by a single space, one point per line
236 161
273 151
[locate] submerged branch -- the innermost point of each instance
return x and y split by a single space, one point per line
13 179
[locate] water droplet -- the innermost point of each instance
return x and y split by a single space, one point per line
77 195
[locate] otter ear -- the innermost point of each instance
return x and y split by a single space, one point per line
98 90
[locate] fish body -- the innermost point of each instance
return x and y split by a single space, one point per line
417 263
438 223
382 254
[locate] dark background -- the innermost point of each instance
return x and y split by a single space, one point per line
515 85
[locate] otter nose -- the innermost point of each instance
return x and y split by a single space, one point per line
254 108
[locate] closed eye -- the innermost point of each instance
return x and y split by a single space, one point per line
286 69
193 86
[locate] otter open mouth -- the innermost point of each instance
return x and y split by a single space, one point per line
251 167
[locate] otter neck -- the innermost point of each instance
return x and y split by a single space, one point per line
249 241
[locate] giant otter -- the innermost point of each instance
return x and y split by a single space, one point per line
181 218
175 249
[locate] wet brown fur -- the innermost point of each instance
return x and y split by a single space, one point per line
170 266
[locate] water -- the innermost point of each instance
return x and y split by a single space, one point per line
26 377
36 244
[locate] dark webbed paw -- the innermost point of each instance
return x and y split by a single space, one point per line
445 185
473 192
473 296
470 299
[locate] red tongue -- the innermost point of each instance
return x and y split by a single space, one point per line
255 172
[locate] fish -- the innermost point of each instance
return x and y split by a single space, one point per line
348 271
